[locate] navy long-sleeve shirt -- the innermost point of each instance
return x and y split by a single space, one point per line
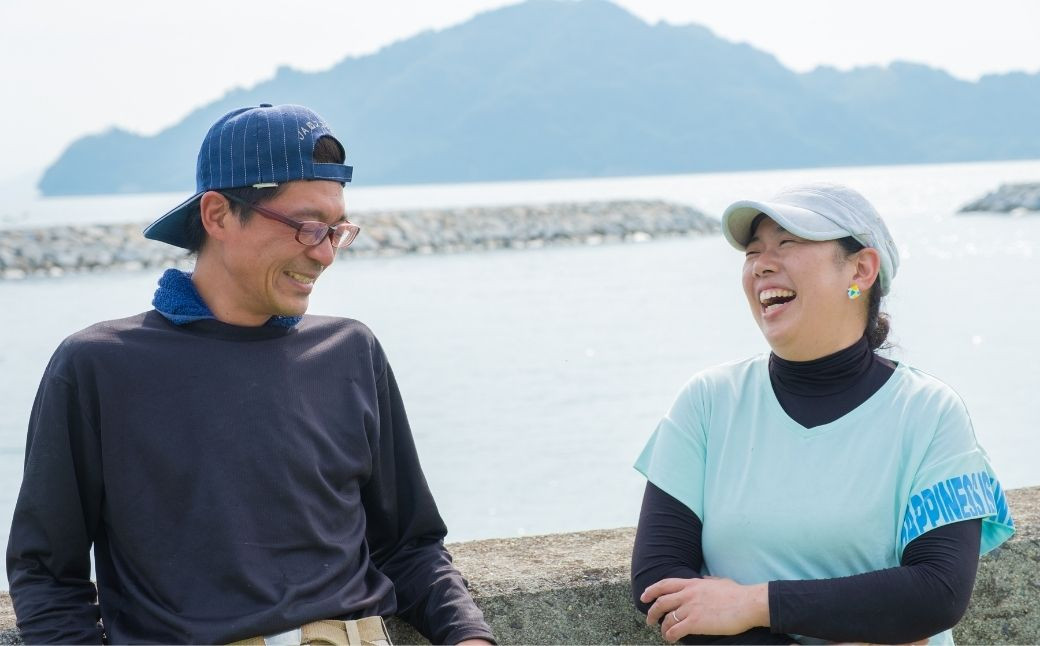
232 481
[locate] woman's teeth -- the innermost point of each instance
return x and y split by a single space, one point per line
767 295
772 298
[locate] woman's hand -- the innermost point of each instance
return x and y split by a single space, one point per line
708 606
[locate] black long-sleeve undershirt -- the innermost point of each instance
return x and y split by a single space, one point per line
925 595
668 545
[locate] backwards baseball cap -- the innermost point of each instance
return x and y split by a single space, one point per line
259 147
818 211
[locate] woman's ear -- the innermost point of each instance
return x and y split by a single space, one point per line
215 212
867 265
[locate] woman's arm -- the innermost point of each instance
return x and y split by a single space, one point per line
926 594
668 545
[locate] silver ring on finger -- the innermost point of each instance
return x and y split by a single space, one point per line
675 617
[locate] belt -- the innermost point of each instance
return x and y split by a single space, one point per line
370 631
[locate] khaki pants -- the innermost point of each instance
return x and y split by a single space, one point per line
370 631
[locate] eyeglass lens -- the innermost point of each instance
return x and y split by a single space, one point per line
312 233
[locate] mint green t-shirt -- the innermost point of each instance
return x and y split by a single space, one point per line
780 501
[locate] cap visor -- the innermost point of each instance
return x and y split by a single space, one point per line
737 220
172 228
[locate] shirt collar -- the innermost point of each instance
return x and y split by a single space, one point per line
179 301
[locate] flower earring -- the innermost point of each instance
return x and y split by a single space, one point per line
853 291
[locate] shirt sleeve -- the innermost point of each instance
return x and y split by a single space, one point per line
406 534
668 544
674 457
55 520
955 482
926 594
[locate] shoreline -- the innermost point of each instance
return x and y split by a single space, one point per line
55 252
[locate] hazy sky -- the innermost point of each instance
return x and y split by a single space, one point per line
70 67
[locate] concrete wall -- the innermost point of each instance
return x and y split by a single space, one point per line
574 589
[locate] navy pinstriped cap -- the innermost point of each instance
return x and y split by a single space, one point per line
259 147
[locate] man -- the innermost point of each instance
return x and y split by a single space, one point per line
241 470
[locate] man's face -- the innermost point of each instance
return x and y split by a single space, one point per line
268 272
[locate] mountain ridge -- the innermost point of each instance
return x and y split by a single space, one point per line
549 89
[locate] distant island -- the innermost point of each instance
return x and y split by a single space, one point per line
550 89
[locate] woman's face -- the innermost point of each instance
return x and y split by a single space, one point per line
798 293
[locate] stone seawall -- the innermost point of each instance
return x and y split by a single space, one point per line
55 251
1008 198
574 588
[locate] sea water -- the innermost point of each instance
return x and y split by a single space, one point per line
532 378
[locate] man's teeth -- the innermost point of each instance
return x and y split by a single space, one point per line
767 294
301 278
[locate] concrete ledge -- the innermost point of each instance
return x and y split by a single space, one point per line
574 588
553 589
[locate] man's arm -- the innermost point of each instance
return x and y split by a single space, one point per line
405 533
48 554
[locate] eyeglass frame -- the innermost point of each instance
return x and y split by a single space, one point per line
352 229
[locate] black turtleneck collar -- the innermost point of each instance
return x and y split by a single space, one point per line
822 390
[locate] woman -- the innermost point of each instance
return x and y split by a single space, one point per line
821 492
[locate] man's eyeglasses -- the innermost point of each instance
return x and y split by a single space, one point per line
309 232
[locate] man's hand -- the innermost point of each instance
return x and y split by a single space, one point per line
709 606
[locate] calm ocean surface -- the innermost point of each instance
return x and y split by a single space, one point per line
533 378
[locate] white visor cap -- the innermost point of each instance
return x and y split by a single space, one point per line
818 211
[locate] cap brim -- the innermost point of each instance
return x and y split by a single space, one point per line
172 228
737 220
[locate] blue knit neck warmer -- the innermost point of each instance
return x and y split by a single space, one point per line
179 301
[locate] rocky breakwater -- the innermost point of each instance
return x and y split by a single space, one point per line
56 251
1016 199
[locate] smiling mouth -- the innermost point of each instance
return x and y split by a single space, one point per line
301 278
774 298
